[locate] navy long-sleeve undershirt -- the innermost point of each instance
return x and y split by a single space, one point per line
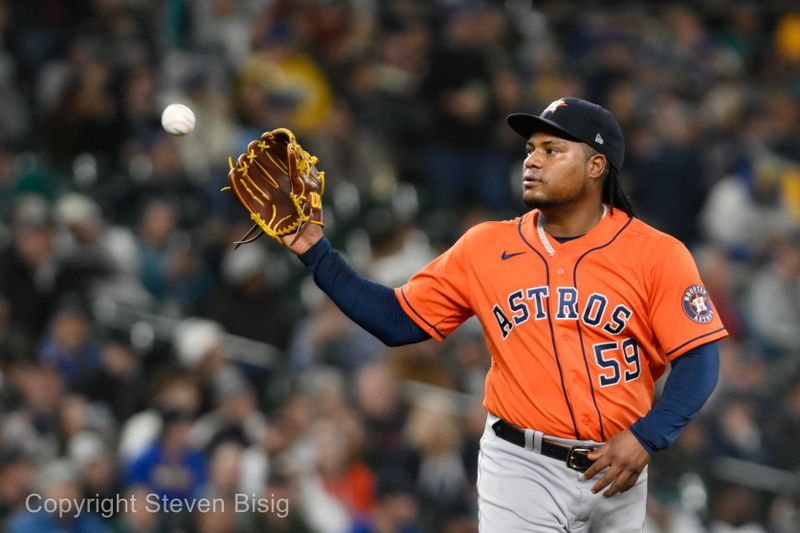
691 381
372 306
375 308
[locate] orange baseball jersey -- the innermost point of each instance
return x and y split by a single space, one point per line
577 338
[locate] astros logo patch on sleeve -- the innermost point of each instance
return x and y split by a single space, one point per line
697 304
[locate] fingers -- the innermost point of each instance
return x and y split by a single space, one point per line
623 481
594 470
619 476
601 461
299 233
606 480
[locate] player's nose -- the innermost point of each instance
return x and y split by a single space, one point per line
533 159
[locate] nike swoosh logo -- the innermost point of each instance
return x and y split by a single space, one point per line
507 255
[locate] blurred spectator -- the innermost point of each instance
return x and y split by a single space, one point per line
669 187
200 350
474 426
224 471
783 426
724 284
170 466
13 344
743 371
171 269
442 482
77 416
343 475
8 182
16 479
388 91
138 106
465 165
328 337
157 174
95 254
15 116
278 507
216 136
96 464
773 299
68 344
137 518
29 272
223 486
325 389
680 466
378 399
86 117
31 414
281 83
118 381
784 517
395 507
57 481
174 392
324 512
217 26
422 362
84 239
398 252
235 417
746 206
735 432
252 282
468 358
736 509
288 436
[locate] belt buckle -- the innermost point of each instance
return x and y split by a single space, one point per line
578 458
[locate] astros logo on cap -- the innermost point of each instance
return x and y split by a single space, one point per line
697 304
554 105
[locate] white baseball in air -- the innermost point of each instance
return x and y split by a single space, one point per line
177 119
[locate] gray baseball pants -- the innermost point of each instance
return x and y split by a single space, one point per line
522 490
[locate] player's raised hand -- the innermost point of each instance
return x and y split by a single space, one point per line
625 459
305 241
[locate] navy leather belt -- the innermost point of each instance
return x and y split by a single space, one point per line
575 457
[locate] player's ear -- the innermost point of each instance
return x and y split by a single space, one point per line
596 165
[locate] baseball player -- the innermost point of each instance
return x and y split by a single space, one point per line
583 307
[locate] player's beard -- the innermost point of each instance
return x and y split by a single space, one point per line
566 198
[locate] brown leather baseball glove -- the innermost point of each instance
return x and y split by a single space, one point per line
278 183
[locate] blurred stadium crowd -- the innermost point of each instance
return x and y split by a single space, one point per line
141 355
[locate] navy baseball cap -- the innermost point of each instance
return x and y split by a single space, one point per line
577 120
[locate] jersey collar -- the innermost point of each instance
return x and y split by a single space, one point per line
599 235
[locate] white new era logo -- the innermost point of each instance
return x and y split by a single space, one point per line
598 139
